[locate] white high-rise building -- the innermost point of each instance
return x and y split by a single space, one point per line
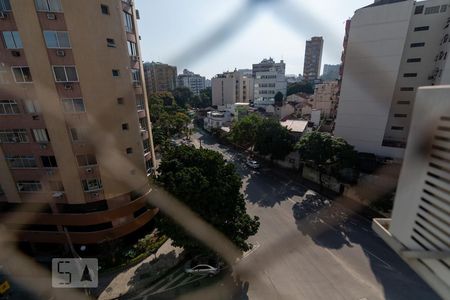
419 230
191 80
394 47
269 80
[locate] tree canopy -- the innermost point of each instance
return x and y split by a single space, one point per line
210 187
273 139
300 87
245 130
279 97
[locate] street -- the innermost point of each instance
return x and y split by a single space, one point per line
307 247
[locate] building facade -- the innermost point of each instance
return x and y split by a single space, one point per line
331 72
75 136
266 65
313 58
419 230
191 80
232 87
160 77
326 97
270 78
393 48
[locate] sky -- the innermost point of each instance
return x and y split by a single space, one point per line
212 36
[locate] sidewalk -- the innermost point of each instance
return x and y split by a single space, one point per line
134 278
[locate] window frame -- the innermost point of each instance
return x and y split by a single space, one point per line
128 21
36 183
87 162
21 72
48 4
65 73
4 7
25 161
14 36
86 184
66 102
57 38
40 135
49 161
13 106
104 9
20 133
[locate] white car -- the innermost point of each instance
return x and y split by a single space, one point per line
202 270
252 164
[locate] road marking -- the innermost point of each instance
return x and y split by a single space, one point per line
255 247
388 266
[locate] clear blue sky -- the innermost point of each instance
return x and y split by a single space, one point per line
184 32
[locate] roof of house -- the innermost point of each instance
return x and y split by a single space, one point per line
295 125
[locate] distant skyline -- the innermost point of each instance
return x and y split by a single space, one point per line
271 28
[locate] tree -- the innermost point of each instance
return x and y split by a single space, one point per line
210 187
324 150
279 99
183 96
245 130
205 98
300 87
273 139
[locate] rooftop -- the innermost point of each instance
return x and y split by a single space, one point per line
295 125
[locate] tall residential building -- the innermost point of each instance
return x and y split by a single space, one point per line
160 77
75 136
231 88
193 81
330 72
393 48
419 230
266 65
313 58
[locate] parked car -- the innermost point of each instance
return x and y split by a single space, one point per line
202 270
252 164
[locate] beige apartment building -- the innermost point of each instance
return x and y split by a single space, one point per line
232 87
326 98
75 137
393 48
160 77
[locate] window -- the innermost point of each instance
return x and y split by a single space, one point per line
57 39
125 126
400 115
443 8
9 107
422 28
74 105
21 161
416 45
111 43
86 160
135 76
9 136
129 150
419 10
12 40
408 75
90 185
140 102
90 228
403 102
120 101
132 50
5 5
432 10
105 9
48 5
29 186
41 135
65 74
56 186
413 60
397 128
115 73
22 74
31 106
407 89
49 162
128 19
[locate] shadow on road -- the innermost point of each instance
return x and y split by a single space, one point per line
332 227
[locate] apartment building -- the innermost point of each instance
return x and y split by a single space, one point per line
330 72
393 48
232 87
313 58
419 230
75 136
326 97
191 80
266 65
160 77
270 79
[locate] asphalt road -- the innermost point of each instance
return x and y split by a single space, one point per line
309 247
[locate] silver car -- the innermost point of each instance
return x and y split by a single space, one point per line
202 270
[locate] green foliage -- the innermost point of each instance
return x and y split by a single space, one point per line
245 130
322 149
205 98
279 99
183 96
300 87
210 187
150 243
273 139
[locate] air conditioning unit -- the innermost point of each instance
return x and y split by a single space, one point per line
95 195
15 53
57 194
43 146
3 15
60 53
68 86
89 170
51 16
